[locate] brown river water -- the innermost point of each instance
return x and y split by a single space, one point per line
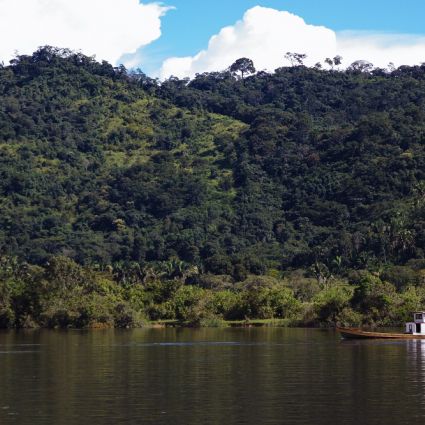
208 376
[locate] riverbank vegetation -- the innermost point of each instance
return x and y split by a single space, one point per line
296 195
64 294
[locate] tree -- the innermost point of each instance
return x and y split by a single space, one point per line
391 67
361 66
296 59
331 302
244 66
336 61
329 62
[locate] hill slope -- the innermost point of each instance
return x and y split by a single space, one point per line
279 170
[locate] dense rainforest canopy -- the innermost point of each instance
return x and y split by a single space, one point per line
275 170
226 173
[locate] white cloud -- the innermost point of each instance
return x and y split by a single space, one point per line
266 34
105 28
381 48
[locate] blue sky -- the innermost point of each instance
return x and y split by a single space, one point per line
187 29
189 38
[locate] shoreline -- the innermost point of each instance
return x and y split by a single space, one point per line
163 324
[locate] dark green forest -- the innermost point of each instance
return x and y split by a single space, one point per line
296 195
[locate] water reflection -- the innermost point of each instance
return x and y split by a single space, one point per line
416 368
208 376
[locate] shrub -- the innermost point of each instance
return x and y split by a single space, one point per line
269 302
331 303
225 304
401 276
126 317
191 304
7 317
375 299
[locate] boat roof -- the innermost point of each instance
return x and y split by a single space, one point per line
419 312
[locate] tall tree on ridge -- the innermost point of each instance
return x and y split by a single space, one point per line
244 66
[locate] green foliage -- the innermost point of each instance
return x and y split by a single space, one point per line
403 276
118 193
377 298
332 303
411 299
63 294
243 65
289 169
226 304
191 305
267 298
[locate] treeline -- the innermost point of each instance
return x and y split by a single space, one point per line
63 294
235 174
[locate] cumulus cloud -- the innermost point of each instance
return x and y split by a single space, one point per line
266 34
381 48
105 28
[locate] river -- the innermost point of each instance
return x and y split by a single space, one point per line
208 376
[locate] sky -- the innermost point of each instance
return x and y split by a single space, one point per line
188 28
184 37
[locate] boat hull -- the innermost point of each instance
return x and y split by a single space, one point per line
351 333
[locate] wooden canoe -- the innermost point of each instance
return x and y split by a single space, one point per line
353 333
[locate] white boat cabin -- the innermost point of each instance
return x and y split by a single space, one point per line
417 327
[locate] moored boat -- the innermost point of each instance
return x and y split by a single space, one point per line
414 330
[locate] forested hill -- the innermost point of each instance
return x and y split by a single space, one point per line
236 176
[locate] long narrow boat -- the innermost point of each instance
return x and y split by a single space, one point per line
352 333
414 330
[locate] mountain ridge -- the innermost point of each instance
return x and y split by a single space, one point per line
271 171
